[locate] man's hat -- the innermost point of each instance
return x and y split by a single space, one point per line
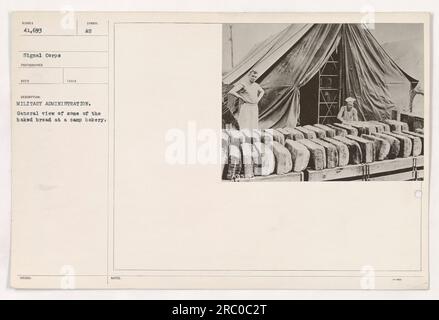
350 99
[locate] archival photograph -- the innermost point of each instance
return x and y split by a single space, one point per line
322 102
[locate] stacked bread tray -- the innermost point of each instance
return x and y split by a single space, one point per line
347 151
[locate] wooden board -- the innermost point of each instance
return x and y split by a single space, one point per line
401 176
288 177
394 165
351 172
387 170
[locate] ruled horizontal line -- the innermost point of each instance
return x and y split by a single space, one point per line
93 51
63 35
68 83
49 67
221 276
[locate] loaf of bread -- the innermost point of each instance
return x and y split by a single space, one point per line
350 130
234 163
405 144
284 132
394 144
263 160
416 143
331 153
378 125
225 139
382 147
277 136
386 127
317 160
330 132
319 132
420 136
300 155
308 134
250 135
257 134
247 160
397 125
342 150
236 137
266 137
338 131
293 134
284 161
367 148
363 127
355 153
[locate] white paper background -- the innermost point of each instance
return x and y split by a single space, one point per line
81 5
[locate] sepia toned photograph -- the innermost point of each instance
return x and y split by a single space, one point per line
323 102
118 137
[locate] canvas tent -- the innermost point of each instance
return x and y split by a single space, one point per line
289 61
413 63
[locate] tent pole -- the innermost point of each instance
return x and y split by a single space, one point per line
341 68
231 44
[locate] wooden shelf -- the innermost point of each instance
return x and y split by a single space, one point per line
287 177
399 169
353 172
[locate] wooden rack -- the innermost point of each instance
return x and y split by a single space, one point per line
399 169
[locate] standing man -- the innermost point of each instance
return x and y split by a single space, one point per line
250 93
348 113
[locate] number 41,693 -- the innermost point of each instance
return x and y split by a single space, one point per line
33 30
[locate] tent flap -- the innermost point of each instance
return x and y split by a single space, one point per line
370 75
293 71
